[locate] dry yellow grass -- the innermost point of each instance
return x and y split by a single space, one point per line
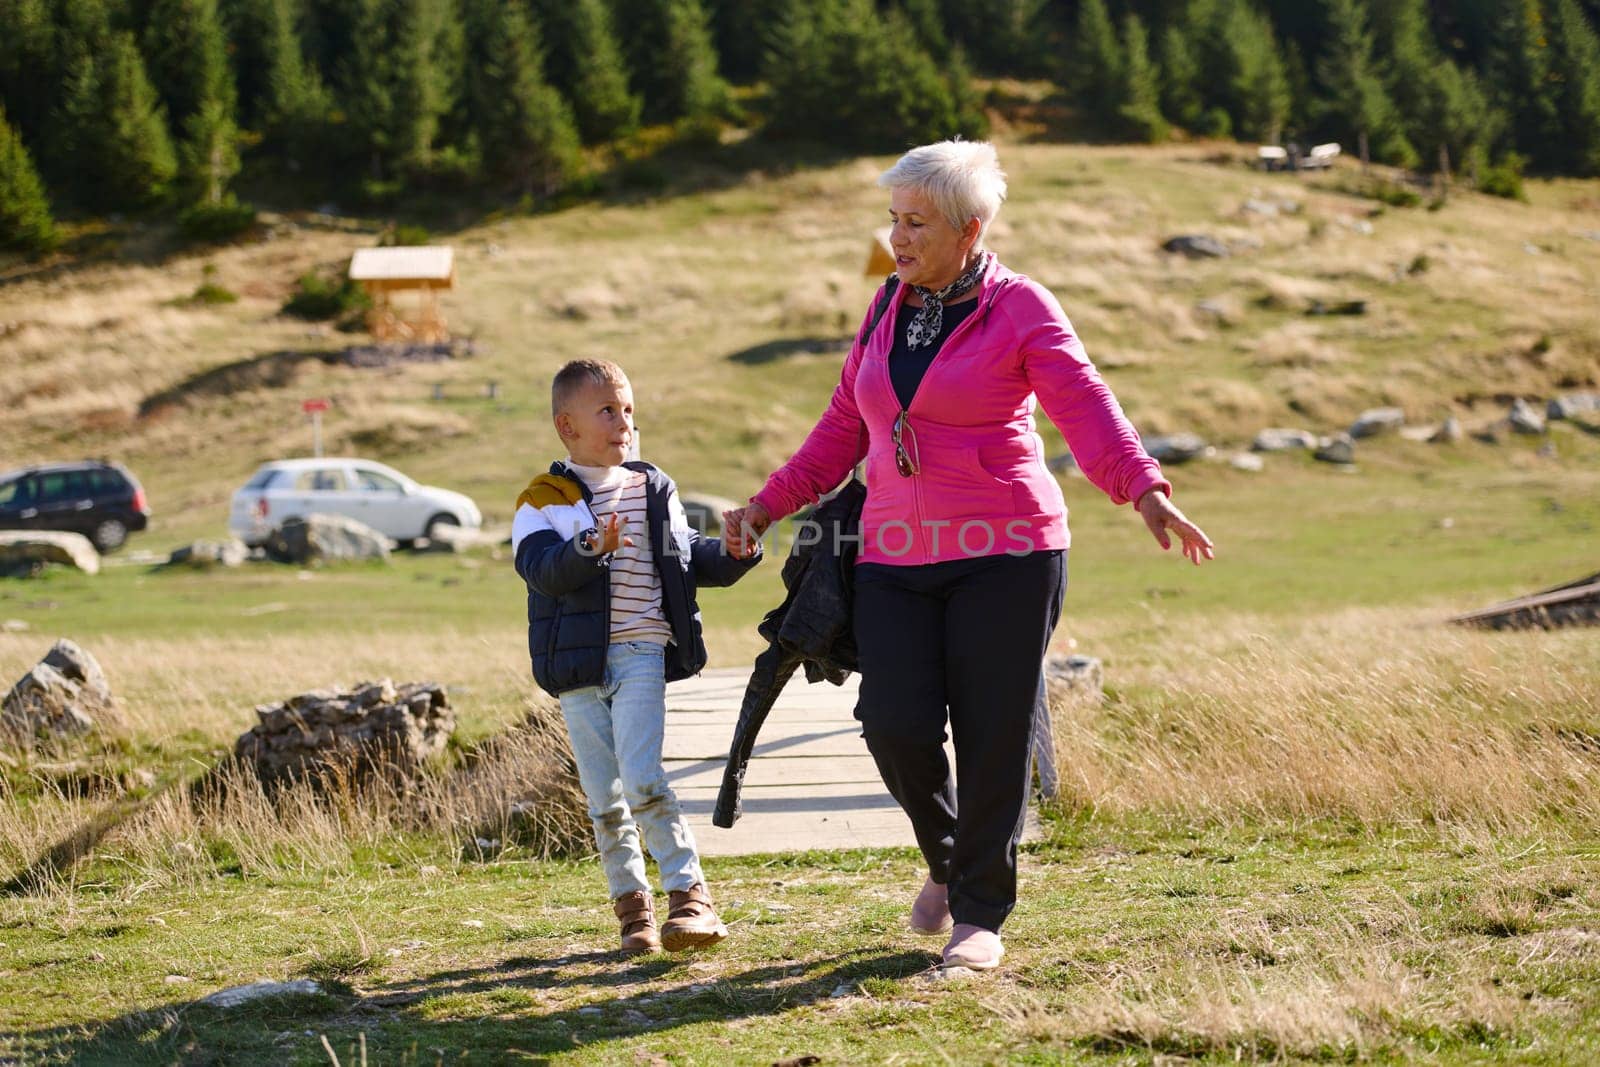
1380 717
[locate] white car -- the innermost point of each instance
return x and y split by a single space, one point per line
379 496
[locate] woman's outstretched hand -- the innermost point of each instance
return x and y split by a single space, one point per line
742 529
1164 519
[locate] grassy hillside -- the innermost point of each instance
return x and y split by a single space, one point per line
1309 823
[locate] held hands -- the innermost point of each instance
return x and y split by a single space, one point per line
742 529
1162 516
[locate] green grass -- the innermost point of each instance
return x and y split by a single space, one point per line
1130 942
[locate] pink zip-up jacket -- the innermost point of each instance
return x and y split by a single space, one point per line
982 487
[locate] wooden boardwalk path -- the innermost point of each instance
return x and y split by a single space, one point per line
811 783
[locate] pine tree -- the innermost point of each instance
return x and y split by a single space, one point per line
394 89
1012 37
1519 76
743 32
186 57
123 152
278 90
1095 64
25 222
524 129
840 75
1260 86
1139 101
926 20
584 63
1180 73
210 151
1575 69
671 58
1356 102
29 73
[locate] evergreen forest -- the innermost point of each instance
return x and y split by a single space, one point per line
189 108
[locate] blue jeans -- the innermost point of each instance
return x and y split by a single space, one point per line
616 730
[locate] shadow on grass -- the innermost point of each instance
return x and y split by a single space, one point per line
414 1022
788 347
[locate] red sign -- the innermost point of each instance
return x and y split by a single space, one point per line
311 407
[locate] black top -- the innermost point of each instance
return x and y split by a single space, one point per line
906 367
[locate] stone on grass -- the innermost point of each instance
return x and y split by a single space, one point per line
58 698
1196 246
323 538
1175 447
1280 439
1065 463
249 994
1448 433
704 511
1571 405
326 736
25 552
1377 420
1074 677
203 555
1336 448
1246 461
1525 418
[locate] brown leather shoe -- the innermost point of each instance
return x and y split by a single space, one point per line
691 920
637 913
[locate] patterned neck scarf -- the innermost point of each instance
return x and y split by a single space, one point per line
928 322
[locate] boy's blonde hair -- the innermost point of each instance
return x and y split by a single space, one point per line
578 374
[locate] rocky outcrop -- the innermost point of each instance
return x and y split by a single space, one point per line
1196 246
1377 420
26 552
203 555
1573 405
59 698
1336 448
327 736
1074 677
1524 418
326 538
1281 439
1175 447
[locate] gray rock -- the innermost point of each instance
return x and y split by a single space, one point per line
328 736
59 697
1065 463
1337 307
203 555
1175 447
1196 246
1525 418
1279 439
1570 405
27 551
1337 448
1377 420
1246 461
1448 433
1265 208
704 511
249 994
322 538
1074 677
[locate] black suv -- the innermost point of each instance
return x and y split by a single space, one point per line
102 501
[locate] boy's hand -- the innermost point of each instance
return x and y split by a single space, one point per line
742 529
611 536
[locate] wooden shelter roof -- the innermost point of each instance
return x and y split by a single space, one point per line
413 263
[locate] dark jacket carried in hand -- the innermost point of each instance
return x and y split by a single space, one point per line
811 627
569 589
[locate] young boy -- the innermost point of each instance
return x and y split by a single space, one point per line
611 565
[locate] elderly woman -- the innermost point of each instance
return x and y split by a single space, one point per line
962 564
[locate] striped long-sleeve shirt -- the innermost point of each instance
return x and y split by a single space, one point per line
636 613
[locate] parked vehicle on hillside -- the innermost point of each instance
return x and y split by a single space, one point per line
102 501
360 489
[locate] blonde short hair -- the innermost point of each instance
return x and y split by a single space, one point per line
962 178
579 374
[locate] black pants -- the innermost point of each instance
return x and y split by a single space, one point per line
961 641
